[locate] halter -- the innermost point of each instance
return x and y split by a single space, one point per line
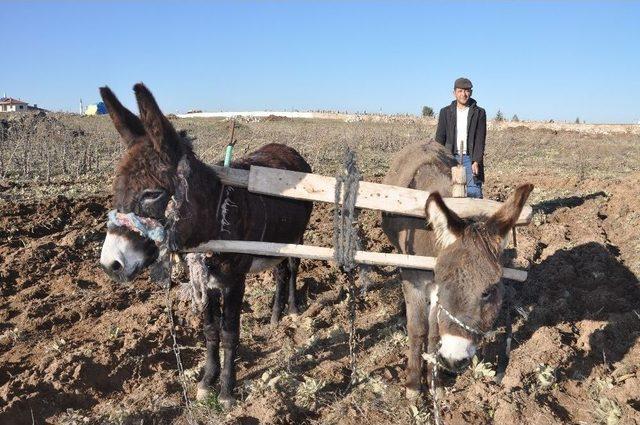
436 363
460 323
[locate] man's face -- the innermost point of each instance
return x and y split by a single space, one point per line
462 95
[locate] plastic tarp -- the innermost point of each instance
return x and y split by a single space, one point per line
96 109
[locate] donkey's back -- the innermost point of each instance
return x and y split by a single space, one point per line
270 218
422 166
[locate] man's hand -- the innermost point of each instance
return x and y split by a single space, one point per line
475 168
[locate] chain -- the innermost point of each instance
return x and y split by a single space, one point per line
352 328
432 360
434 395
164 270
176 352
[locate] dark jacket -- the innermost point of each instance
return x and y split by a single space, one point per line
476 131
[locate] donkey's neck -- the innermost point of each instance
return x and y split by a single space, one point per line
201 207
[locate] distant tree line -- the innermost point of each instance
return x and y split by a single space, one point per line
427 111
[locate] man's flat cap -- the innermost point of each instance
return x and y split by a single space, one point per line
463 83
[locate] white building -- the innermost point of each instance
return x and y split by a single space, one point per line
9 104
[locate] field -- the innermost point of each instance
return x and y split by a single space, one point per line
77 348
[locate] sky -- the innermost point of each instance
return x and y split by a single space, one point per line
539 60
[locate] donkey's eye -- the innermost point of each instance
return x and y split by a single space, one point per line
151 195
152 203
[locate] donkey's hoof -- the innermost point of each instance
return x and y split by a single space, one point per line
293 310
274 320
227 402
411 394
202 394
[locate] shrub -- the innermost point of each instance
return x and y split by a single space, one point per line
427 111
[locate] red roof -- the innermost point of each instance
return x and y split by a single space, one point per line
11 101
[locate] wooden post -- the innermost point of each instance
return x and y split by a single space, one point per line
458 182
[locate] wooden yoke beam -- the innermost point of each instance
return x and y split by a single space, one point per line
314 187
272 249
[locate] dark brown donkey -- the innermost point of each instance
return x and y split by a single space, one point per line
448 310
156 163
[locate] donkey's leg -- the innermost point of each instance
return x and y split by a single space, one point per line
293 264
233 295
280 275
417 326
211 315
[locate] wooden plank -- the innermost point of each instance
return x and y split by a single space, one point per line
314 187
320 253
376 196
231 176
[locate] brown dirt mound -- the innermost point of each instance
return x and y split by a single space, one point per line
77 347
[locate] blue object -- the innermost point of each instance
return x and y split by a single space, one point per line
102 108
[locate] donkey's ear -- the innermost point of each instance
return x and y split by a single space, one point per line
446 223
164 137
503 220
128 124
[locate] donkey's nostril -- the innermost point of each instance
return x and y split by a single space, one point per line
116 265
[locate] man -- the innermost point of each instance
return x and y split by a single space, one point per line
462 129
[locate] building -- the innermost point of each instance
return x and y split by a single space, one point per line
9 104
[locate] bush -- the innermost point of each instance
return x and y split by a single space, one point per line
578 120
515 118
499 116
427 111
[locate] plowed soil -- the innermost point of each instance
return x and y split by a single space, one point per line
78 348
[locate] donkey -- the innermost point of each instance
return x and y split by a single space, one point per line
157 162
449 309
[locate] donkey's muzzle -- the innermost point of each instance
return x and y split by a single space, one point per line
454 366
125 254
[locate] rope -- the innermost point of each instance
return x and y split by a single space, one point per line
144 226
346 242
345 216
